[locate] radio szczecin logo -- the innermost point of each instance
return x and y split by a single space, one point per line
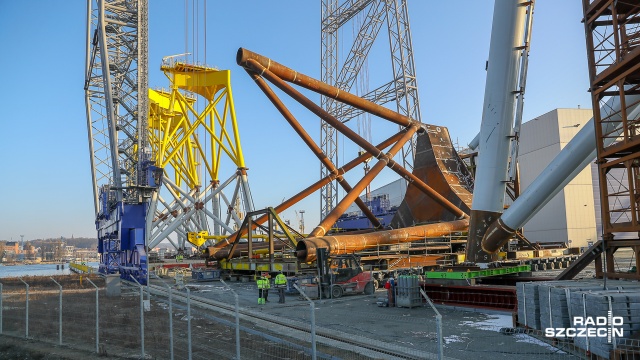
599 326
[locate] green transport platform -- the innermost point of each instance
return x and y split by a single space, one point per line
476 273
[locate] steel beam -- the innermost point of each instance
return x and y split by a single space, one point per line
245 58
341 207
310 189
346 244
312 145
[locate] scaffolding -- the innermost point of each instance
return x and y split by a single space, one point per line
612 35
403 86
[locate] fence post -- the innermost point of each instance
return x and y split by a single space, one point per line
189 320
440 338
97 317
26 330
313 322
0 308
438 325
59 314
237 311
141 317
170 317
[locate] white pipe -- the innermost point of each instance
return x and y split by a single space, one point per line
157 238
246 192
216 211
232 211
473 144
499 105
218 221
234 198
577 154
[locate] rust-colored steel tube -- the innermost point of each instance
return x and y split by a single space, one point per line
338 125
315 149
313 107
346 244
320 87
342 206
308 191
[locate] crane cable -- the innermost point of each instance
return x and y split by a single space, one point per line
186 27
206 138
362 88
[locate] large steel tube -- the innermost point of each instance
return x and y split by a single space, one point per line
575 156
343 205
326 162
497 122
258 247
346 244
320 87
309 190
473 144
338 125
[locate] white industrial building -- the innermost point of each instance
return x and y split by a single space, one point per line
570 216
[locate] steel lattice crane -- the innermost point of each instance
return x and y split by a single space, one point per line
402 87
141 139
123 176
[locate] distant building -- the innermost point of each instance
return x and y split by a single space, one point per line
85 254
569 217
395 191
69 252
30 252
12 247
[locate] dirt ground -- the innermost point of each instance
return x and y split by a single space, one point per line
20 349
212 335
68 282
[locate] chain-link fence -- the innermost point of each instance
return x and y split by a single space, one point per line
224 321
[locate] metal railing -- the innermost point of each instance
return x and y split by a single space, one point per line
222 321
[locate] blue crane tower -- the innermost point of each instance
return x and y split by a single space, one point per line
125 181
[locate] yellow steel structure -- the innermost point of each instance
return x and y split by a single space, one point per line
257 267
191 145
199 238
175 121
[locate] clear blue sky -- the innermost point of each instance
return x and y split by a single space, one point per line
45 177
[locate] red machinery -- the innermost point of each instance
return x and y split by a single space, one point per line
342 274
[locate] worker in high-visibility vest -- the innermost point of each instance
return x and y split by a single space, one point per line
267 286
281 284
261 283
